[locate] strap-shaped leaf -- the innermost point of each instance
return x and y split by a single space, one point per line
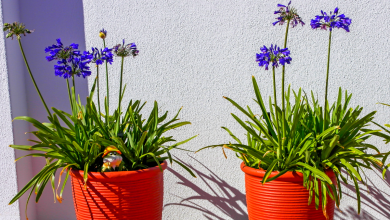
316 172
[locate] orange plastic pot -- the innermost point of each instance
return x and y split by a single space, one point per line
283 198
119 195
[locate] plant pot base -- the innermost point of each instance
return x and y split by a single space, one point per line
119 195
283 198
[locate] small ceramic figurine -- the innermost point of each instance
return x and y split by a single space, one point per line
111 159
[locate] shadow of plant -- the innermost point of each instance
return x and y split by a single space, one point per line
371 196
223 196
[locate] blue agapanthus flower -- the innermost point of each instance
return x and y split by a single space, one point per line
99 56
331 20
124 50
70 60
273 55
286 14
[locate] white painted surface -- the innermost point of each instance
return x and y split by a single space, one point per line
8 182
49 24
191 54
194 52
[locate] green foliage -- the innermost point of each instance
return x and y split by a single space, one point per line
77 140
80 144
310 145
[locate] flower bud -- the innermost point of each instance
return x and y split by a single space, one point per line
102 34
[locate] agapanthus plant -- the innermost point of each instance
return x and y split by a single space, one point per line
324 22
124 50
78 140
287 14
305 137
98 57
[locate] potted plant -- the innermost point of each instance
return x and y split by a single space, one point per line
297 153
116 159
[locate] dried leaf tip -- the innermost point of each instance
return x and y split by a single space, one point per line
224 97
224 154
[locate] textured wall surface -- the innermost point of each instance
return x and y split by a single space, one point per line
194 52
191 54
49 23
8 183
50 20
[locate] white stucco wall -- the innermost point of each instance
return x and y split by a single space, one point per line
194 52
191 54
49 24
8 183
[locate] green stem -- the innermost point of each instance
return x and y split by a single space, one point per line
108 88
283 105
327 78
98 91
120 88
70 97
74 85
32 78
276 108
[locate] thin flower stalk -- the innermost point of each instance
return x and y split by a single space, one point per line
275 56
103 35
98 90
327 80
98 57
124 50
18 29
283 99
32 78
287 14
120 87
324 22
69 94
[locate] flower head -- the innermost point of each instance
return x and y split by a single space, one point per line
273 54
70 60
102 33
124 50
288 14
99 56
16 29
331 20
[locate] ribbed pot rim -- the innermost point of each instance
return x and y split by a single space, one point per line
287 176
119 176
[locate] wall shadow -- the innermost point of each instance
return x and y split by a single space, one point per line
371 196
49 20
223 196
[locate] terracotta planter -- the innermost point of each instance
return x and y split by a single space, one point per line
283 198
119 195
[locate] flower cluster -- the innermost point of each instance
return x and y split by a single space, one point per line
333 20
289 14
103 33
273 54
99 56
124 50
70 60
16 29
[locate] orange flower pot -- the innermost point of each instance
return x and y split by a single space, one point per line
283 198
119 195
